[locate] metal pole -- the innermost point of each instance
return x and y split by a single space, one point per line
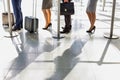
58 34
104 4
112 20
111 36
58 29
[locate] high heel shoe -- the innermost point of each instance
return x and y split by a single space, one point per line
47 26
92 30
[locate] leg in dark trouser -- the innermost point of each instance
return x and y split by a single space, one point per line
18 14
68 26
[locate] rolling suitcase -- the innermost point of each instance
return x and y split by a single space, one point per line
31 22
5 16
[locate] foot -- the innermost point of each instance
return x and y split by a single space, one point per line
69 27
16 28
92 30
65 31
47 26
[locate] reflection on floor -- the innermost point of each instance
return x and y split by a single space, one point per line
76 56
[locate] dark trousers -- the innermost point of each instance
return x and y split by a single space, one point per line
67 19
17 12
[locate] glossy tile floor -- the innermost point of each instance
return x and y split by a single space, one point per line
77 56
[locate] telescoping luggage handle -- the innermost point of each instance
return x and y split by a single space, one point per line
4 5
34 8
9 11
34 12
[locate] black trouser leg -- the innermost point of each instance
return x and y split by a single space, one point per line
68 22
68 26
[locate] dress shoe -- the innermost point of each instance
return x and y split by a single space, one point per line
65 31
21 26
16 28
47 26
69 27
92 30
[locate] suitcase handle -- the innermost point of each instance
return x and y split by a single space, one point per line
34 8
4 5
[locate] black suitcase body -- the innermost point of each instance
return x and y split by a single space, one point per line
31 24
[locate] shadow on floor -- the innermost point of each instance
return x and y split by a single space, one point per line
66 62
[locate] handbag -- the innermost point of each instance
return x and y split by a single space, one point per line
67 8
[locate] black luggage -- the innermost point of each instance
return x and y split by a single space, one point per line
31 22
5 16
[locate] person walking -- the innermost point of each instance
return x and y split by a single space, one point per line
18 15
67 19
46 5
91 13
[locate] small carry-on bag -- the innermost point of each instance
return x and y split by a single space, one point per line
5 16
31 22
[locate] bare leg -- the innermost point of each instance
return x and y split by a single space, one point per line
92 18
48 16
89 16
45 16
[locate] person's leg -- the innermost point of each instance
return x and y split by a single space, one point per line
89 17
48 16
68 26
68 22
45 16
93 19
17 13
21 15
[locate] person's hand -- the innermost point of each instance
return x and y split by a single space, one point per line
65 0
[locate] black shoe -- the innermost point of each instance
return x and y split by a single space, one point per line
65 31
92 30
21 27
69 27
15 29
47 26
